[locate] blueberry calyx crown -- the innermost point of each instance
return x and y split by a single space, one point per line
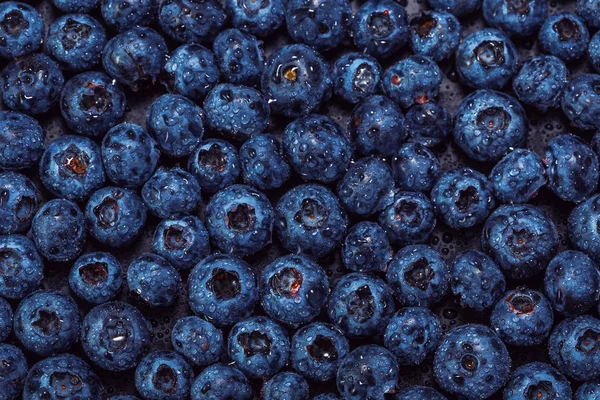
312 214
493 119
252 7
589 342
107 212
407 211
173 238
363 79
241 218
14 23
361 304
518 240
323 349
380 24
567 30
165 379
286 282
94 273
520 7
65 384
540 391
419 274
98 101
73 31
224 284
490 53
47 322
467 198
9 262
255 342
214 158
522 301
72 161
423 25
290 73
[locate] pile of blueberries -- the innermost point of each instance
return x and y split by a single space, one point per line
293 253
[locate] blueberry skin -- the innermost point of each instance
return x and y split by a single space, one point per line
73 6
258 346
183 242
414 80
471 362
153 280
163 375
239 56
293 289
520 238
115 216
239 220
380 28
190 71
361 305
538 379
23 265
327 396
258 18
367 187
263 163
310 220
412 335
296 80
14 371
518 176
20 201
428 124
356 76
589 11
594 52
476 280
419 393
215 164
581 101
572 168
376 126
123 397
564 35
222 289
221 382
415 168
515 20
571 283
588 391
435 34
96 277
486 59
62 376
115 336
171 192
120 15
582 227
317 349
58 230
191 21
573 347
198 340
135 57
366 248
462 198
488 124
285 385
368 372
458 8
22 88
91 103
21 141
71 167
129 155
6 320
522 318
21 31
540 82
176 123
409 219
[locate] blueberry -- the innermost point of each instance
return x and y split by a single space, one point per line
594 52
414 80
183 242
115 336
376 126
518 176
191 71
361 305
459 8
129 155
175 122
584 227
222 289
296 80
366 248
123 397
239 220
537 380
58 230
428 124
462 198
62 377
91 103
581 101
285 385
21 268
135 57
153 280
471 362
260 18
435 34
486 59
380 28
190 21
221 382
488 124
309 219
6 321
515 19
476 280
121 15
198 340
171 192
409 219
31 84
21 29
589 11
419 393
262 162
520 238
367 187
356 76
588 391
71 167
415 168
72 6
163 375
96 277
21 141
19 201
293 289
540 82
258 346
14 371
215 163
564 35
523 317
239 56
368 372
326 396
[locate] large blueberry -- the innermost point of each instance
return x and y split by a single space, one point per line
428 124
415 168
537 380
380 28
21 268
183 242
410 218
171 192
581 101
151 279
366 248
191 21
564 35
215 163
239 56
221 382
164 375
356 76
96 277
13 372
19 201
121 15
21 29
540 82
263 163
435 34
198 340
414 80
518 176
260 18
514 17
21 141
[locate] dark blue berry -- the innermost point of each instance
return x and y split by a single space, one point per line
589 11
221 382
121 15
21 29
537 380
356 76
380 28
518 176
21 141
514 18
581 101
564 35
14 371
584 227
72 6
240 57
428 124
153 280
198 340
164 375
19 201
191 21
21 266
588 391
415 168
215 164
263 164
183 242
171 192
285 385
540 82
459 8
594 52
366 248
6 321
414 80
419 393
96 277
409 219
260 18
435 34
